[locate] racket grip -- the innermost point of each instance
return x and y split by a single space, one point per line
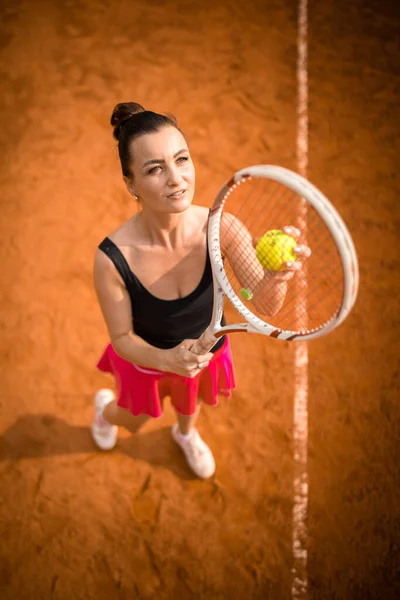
205 342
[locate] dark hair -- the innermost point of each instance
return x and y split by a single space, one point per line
131 120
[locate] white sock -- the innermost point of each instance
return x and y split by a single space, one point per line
186 436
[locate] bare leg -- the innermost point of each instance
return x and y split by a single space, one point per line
198 454
123 418
187 422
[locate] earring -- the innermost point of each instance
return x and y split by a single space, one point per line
136 196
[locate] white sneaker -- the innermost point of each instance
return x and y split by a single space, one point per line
104 434
198 454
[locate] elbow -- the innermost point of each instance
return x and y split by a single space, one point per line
118 342
267 311
268 307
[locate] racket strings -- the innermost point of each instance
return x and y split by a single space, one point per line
314 301
314 294
248 215
289 315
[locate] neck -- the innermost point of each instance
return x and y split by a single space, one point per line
167 230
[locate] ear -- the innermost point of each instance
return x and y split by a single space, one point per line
129 185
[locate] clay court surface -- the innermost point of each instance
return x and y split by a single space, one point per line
78 524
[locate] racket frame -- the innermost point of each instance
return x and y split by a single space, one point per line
337 228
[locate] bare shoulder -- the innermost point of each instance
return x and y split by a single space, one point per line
122 235
125 233
103 267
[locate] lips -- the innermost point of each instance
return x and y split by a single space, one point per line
177 195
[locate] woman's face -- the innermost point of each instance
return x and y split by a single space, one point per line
163 171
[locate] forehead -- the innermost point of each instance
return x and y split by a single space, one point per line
161 144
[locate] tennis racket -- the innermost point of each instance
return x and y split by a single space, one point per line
306 297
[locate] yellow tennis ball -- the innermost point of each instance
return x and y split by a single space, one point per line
246 293
276 248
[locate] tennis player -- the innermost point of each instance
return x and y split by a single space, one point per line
153 281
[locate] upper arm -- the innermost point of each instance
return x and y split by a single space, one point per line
113 296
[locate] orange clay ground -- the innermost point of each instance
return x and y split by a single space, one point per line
77 524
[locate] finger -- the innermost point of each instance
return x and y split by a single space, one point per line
187 344
202 366
202 359
283 275
293 231
194 361
293 266
302 251
196 369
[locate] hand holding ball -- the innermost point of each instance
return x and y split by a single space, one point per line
275 249
279 251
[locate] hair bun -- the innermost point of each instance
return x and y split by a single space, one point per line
122 113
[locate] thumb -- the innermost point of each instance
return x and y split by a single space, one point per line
187 344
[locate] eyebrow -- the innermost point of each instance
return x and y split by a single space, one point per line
159 160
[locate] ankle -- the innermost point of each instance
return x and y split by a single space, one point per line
187 435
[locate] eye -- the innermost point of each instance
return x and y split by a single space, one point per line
153 170
182 159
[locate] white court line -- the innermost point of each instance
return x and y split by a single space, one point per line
300 404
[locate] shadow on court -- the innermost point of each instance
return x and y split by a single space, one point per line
45 435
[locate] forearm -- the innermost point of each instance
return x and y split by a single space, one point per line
136 350
268 288
268 297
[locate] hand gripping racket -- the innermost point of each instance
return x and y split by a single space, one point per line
306 297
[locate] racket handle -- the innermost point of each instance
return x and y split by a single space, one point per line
205 342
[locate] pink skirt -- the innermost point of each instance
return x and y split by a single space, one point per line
142 390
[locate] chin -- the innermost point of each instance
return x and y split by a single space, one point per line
180 205
175 210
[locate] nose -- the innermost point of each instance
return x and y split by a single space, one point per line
174 176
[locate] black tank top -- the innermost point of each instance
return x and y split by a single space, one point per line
166 323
